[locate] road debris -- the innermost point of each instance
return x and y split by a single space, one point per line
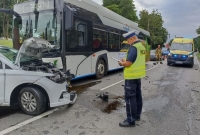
111 106
118 97
81 88
195 90
103 96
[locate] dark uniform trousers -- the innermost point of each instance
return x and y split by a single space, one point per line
133 99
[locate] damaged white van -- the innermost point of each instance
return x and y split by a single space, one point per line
28 81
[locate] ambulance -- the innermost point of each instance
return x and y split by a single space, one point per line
181 52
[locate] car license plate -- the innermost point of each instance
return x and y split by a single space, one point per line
179 62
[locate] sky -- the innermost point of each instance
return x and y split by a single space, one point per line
181 17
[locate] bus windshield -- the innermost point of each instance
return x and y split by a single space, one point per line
181 46
41 24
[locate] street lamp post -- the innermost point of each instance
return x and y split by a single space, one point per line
168 36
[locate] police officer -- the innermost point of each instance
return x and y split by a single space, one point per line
134 69
158 53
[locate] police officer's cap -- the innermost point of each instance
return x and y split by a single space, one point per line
130 34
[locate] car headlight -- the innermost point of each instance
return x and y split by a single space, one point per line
169 54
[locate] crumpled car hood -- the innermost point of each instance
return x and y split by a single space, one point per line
33 47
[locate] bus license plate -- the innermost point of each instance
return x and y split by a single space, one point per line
179 62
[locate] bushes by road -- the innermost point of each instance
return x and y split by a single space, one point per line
198 56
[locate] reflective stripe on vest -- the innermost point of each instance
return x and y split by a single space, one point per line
138 69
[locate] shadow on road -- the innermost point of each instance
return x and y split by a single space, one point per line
7 111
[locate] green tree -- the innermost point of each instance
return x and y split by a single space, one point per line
197 40
115 8
5 19
125 8
198 30
110 2
144 20
6 24
128 10
153 23
170 42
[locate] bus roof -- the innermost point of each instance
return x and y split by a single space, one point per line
183 40
107 16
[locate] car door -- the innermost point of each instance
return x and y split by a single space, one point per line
2 83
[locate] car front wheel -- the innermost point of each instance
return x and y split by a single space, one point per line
32 101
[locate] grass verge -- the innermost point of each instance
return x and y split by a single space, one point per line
198 56
7 43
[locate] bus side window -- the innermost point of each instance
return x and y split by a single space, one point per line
82 34
99 40
114 42
79 36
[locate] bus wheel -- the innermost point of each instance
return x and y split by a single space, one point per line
100 69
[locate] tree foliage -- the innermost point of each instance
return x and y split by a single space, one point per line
115 8
170 42
110 2
197 40
198 30
153 23
125 8
5 19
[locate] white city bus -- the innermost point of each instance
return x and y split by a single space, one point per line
85 35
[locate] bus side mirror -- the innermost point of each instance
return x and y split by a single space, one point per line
68 18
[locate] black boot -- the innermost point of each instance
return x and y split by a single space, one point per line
137 119
126 124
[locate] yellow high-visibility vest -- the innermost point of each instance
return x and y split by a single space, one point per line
138 69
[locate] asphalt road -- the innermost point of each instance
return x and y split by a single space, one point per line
171 98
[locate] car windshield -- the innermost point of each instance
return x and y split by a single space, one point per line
181 46
11 54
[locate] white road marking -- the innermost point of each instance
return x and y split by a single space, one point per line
121 81
10 129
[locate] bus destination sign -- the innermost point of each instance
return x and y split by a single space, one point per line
32 6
